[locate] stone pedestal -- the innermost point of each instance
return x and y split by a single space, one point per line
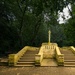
49 50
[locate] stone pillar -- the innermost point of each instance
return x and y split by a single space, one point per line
37 59
49 32
12 60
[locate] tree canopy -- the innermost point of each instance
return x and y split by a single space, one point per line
26 22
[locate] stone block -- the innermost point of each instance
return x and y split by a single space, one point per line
11 60
37 59
60 59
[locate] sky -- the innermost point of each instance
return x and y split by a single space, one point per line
64 13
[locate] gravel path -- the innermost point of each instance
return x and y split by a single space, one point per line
37 70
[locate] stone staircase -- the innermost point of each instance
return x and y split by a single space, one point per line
28 59
69 57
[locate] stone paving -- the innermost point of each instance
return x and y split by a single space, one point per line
49 62
4 70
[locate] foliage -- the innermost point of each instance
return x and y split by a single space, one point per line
26 22
69 29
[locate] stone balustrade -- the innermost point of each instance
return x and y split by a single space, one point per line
39 57
73 49
59 57
46 51
13 58
49 50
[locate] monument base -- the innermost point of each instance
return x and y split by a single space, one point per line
49 50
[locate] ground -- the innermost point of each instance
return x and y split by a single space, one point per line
52 69
5 70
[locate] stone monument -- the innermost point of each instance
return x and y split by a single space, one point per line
48 49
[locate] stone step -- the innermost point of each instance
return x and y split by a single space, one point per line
28 55
32 52
69 56
25 57
73 58
69 63
66 52
69 60
25 63
26 60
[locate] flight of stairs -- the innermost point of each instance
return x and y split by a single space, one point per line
69 57
28 59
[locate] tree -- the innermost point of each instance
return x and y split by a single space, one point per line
69 30
23 20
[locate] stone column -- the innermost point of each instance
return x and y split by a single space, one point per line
49 32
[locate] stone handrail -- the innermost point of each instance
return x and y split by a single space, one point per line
59 57
13 58
39 57
41 54
21 52
73 49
